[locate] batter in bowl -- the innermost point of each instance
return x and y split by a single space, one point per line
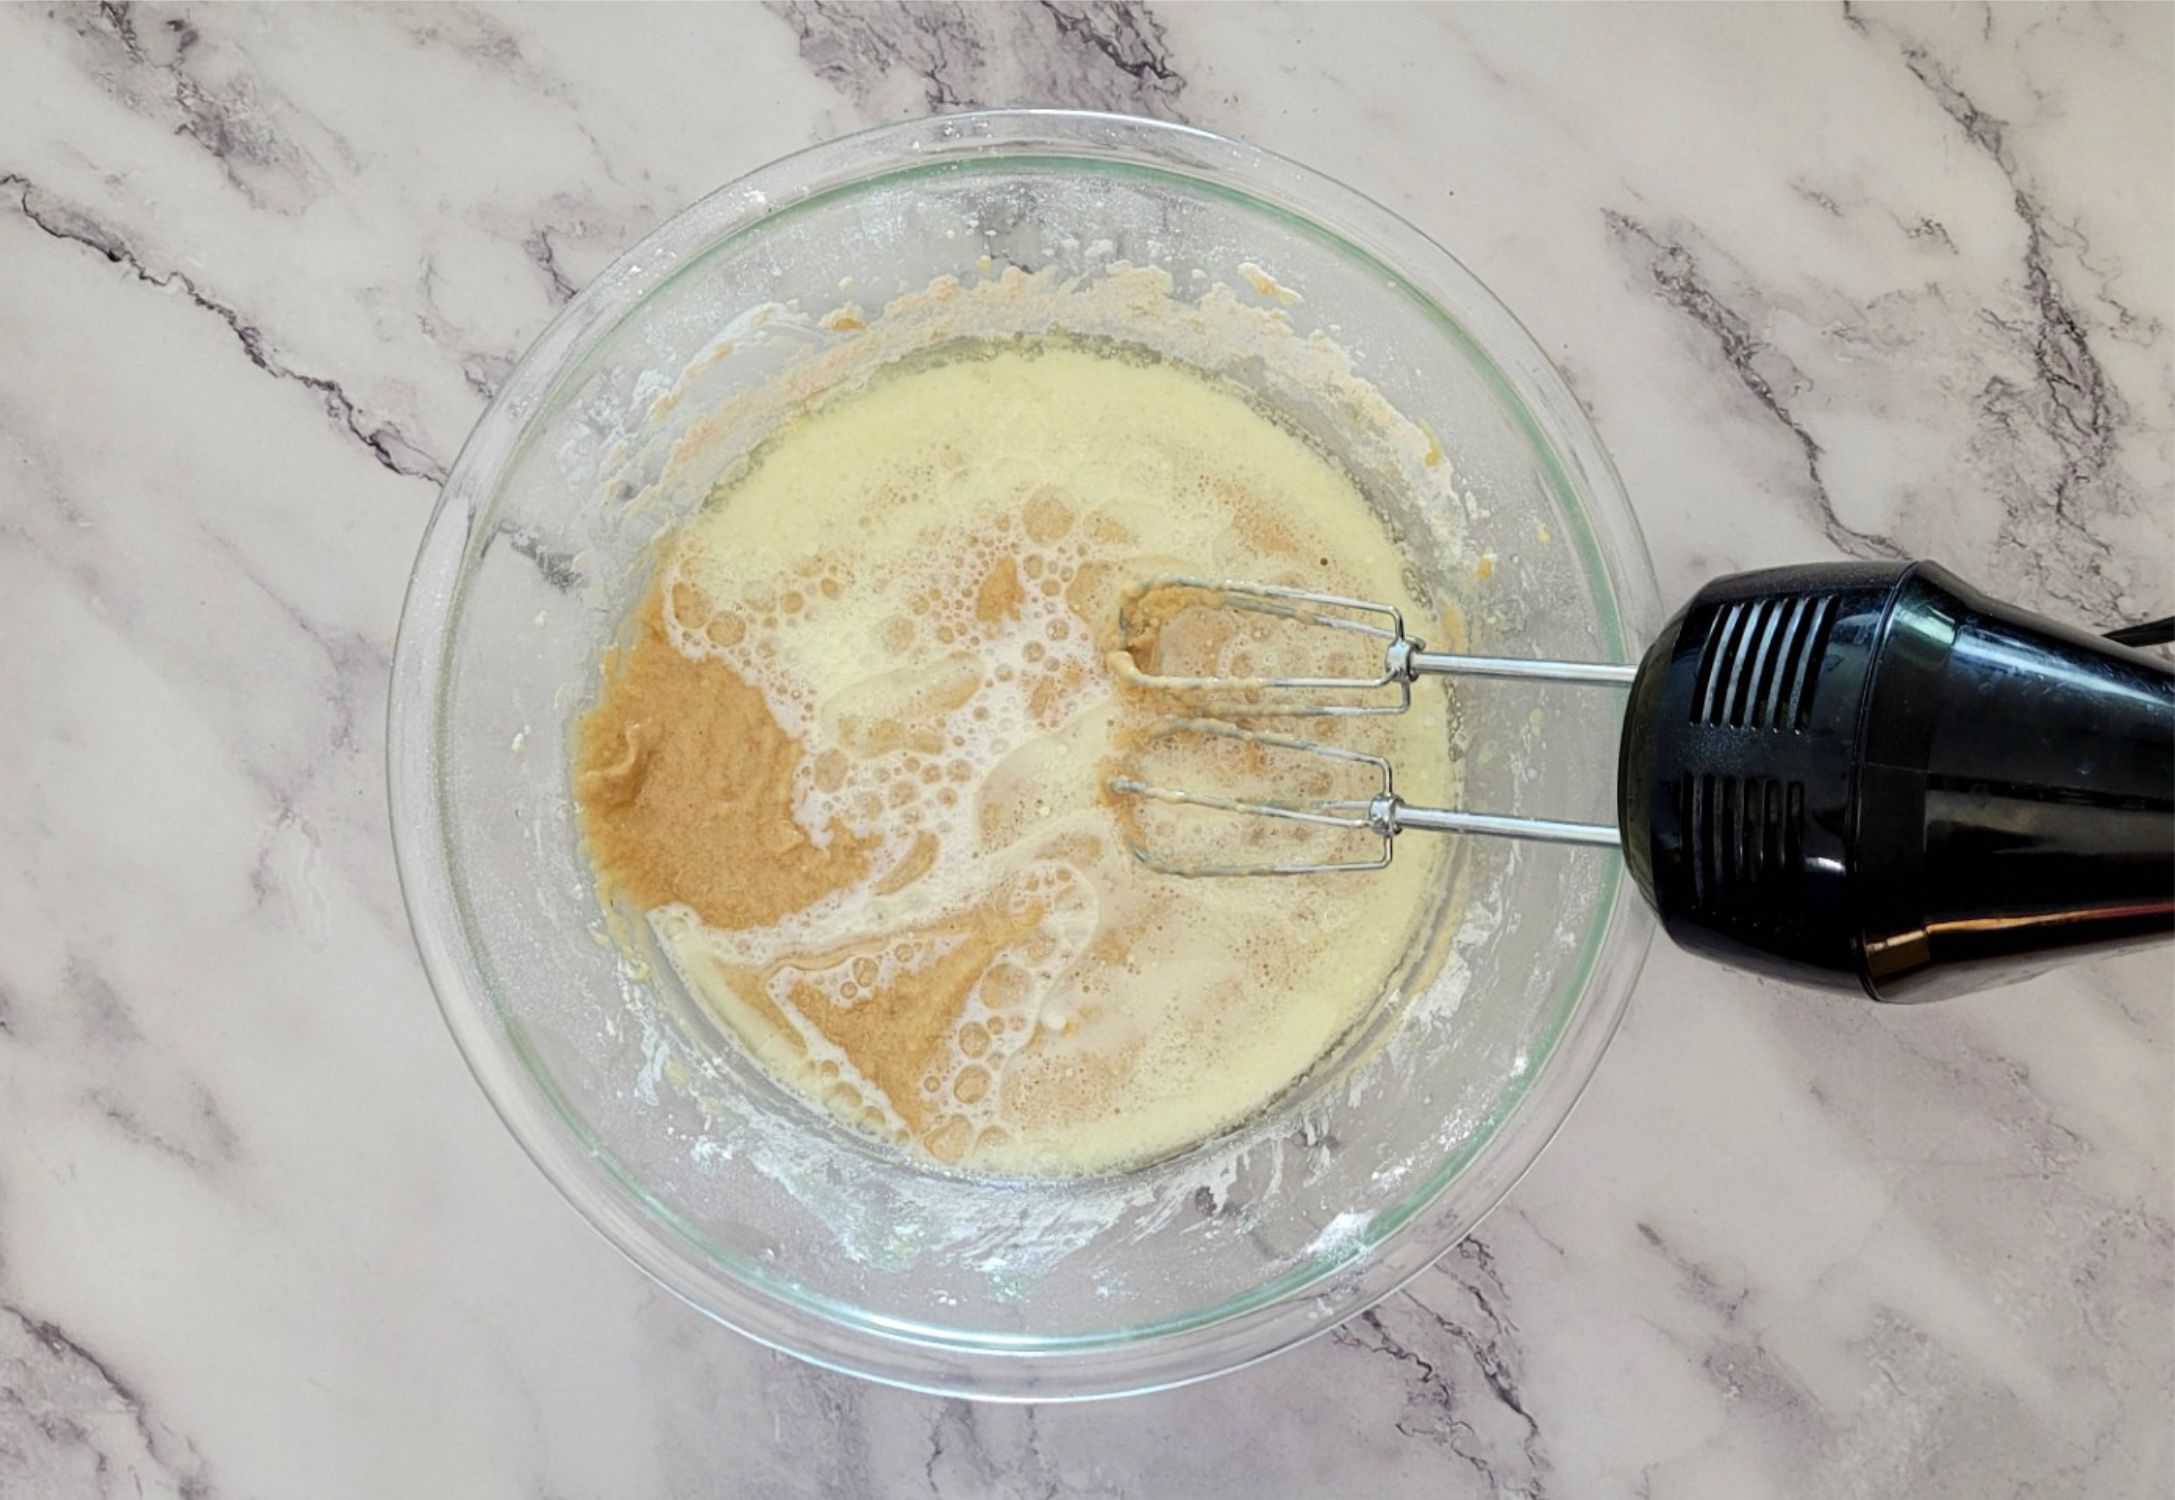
851 761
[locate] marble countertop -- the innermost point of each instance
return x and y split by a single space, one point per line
1832 281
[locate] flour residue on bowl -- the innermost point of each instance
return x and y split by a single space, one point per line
852 760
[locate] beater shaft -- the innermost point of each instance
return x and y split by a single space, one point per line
1524 669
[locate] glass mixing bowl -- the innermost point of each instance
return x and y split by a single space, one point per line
757 1208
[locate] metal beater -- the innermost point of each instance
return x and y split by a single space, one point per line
1405 659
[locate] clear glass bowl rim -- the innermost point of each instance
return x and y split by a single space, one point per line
1246 1327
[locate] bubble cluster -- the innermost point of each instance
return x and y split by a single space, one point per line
972 647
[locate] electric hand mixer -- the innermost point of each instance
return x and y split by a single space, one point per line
1847 774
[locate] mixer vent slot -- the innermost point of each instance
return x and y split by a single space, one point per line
1740 832
1761 664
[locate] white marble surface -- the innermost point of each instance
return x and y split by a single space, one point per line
1868 282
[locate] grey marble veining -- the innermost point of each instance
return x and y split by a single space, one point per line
1848 281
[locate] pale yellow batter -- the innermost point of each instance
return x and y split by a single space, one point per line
853 762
